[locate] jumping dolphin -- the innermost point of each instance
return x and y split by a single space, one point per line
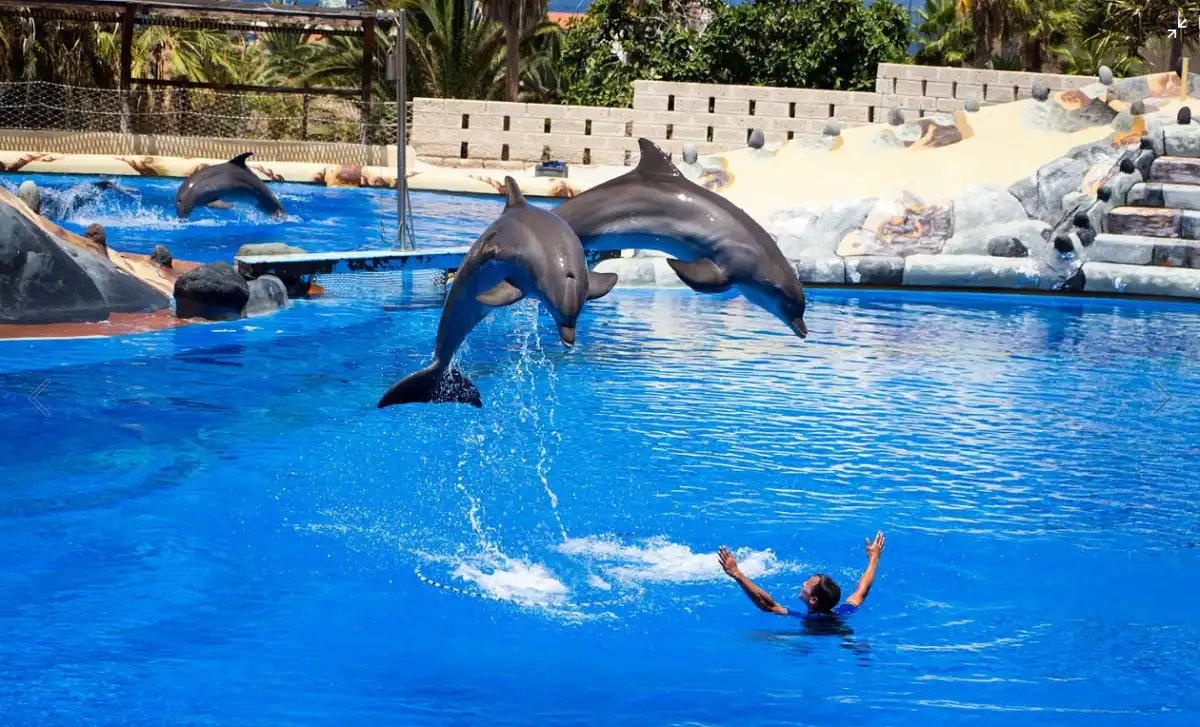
717 246
231 180
526 251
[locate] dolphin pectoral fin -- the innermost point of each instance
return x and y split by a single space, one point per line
599 284
702 276
218 204
503 294
433 386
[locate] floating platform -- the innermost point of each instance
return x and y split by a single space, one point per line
300 265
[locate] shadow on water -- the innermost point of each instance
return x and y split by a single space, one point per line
801 641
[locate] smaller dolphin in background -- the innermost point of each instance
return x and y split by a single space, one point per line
527 251
717 246
230 180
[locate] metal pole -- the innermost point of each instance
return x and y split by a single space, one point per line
401 136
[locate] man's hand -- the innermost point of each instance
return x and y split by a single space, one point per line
876 548
758 596
728 562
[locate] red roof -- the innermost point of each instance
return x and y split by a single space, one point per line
563 19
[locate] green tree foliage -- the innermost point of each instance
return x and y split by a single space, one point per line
834 44
943 38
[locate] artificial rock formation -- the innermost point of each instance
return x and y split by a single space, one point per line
49 275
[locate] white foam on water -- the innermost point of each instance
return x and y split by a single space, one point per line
660 560
519 581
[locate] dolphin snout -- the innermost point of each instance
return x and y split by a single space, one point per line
567 333
798 327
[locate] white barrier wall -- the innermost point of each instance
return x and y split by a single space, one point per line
714 117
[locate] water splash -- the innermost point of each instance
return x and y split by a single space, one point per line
548 437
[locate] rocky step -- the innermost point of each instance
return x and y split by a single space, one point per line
1175 170
1142 250
1141 280
1153 222
1161 194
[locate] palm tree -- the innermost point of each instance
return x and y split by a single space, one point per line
995 23
1144 18
1047 28
943 38
519 19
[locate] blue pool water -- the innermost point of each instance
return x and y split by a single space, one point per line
215 526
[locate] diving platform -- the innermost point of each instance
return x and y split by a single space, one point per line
300 265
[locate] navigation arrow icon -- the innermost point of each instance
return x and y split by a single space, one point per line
1165 393
33 395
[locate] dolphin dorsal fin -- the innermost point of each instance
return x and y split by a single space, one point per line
512 194
654 161
240 159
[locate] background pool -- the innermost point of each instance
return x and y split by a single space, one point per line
214 526
319 218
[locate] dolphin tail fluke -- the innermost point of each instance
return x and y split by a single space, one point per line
433 386
600 283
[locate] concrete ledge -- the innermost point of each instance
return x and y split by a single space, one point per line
641 272
1141 280
974 271
821 270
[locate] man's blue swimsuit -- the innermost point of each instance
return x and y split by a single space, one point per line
844 609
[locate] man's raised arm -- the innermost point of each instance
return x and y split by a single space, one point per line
868 577
761 598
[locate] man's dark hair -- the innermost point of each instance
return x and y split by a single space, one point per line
827 593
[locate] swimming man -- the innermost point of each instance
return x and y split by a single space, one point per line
820 593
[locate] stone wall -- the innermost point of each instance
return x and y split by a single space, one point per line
922 90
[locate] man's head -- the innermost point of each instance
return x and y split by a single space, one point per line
820 593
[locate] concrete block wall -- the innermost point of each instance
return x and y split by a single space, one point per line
455 132
925 90
717 117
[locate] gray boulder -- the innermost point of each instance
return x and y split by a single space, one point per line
790 226
886 139
162 256
1006 246
1182 141
1040 91
895 117
95 232
973 104
1106 75
757 140
690 153
43 280
1055 181
214 291
981 205
832 128
978 241
267 248
822 237
29 193
1123 121
267 295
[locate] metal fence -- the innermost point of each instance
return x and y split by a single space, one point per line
39 106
